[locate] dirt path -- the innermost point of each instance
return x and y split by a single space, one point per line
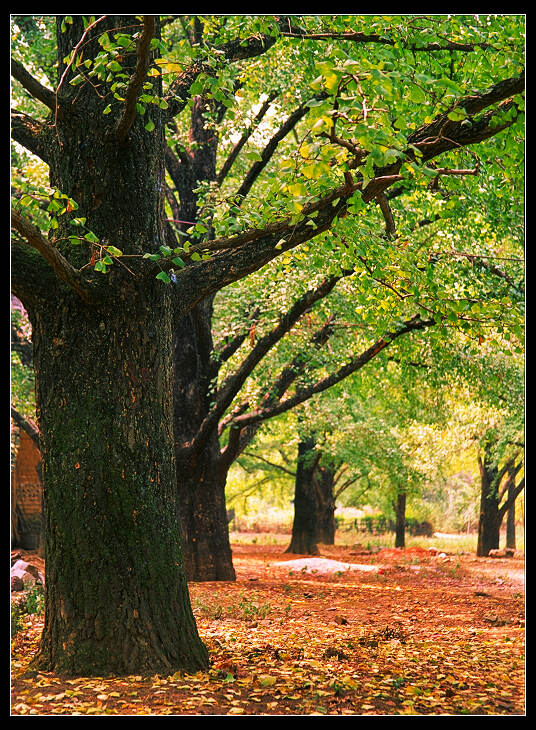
411 634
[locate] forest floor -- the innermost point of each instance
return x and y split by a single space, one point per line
403 633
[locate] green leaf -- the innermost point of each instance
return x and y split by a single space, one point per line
113 251
91 237
150 125
178 261
163 277
456 115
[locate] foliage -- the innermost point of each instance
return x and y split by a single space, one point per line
22 376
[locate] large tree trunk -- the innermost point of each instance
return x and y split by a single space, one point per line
117 598
305 525
201 486
490 519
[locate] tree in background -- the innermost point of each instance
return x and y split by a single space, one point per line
110 296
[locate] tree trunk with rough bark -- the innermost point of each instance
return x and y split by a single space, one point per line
324 478
117 598
305 525
489 523
201 478
511 513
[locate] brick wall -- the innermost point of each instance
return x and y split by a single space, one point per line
26 493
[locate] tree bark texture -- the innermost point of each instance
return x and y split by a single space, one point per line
324 479
201 482
305 525
511 511
117 598
489 523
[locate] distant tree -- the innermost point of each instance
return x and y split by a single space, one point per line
497 496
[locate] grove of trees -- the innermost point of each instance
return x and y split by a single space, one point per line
220 220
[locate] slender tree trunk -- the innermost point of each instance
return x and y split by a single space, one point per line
201 486
305 525
400 520
511 513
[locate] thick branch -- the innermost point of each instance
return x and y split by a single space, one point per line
32 86
247 252
358 37
137 79
59 264
242 434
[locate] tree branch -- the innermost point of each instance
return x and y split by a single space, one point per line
255 417
270 463
232 346
232 385
243 139
359 37
32 86
137 79
238 50
59 264
267 153
244 433
246 252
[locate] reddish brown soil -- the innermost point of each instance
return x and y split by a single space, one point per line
422 635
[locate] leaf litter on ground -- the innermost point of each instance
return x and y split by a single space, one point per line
447 639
